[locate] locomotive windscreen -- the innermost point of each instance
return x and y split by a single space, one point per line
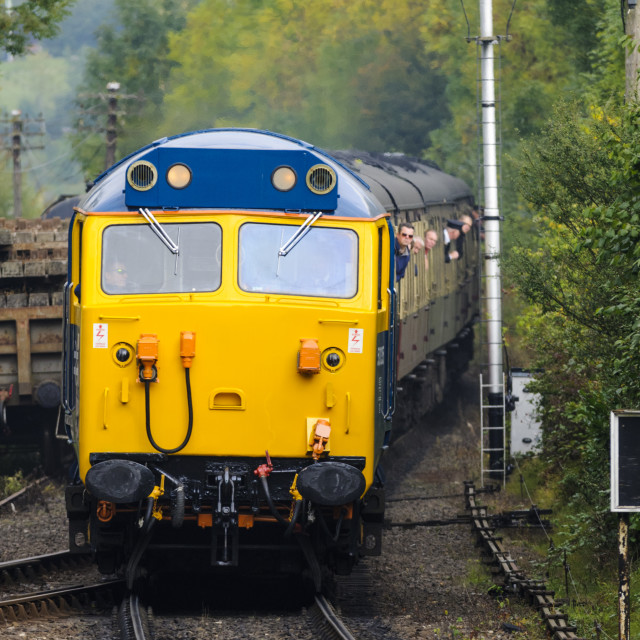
324 263
135 261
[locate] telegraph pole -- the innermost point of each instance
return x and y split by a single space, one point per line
113 98
15 131
491 267
16 147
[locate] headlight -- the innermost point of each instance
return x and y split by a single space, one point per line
179 176
284 178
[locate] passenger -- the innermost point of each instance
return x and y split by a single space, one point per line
417 247
476 213
404 239
450 234
116 278
467 223
430 241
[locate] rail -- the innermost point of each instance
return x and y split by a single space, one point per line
57 602
323 614
515 580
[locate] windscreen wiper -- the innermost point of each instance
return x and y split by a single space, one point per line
300 233
158 229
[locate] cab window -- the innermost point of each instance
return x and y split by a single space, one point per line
135 260
324 263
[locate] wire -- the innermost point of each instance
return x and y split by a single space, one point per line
53 160
509 19
530 498
467 19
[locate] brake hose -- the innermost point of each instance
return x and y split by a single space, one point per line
290 524
147 408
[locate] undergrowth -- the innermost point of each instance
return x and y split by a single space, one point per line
582 572
11 484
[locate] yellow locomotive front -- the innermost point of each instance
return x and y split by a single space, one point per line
228 381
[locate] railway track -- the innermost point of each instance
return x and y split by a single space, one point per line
22 602
59 602
515 581
330 621
136 622
28 569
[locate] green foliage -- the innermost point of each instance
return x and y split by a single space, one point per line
341 74
554 50
581 176
39 83
77 30
11 484
30 19
378 75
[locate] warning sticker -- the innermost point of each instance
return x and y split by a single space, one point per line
100 336
355 340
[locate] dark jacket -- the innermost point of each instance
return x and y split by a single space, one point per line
402 260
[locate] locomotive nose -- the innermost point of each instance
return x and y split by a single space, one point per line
120 481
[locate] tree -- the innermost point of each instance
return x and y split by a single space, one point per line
77 31
543 61
582 176
31 19
132 50
339 74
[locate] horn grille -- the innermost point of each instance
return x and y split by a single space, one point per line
142 175
321 179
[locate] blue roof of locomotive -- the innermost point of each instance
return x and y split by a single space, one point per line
354 198
367 184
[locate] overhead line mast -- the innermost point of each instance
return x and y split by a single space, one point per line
491 267
491 210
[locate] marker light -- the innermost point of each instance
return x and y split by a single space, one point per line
284 178
179 176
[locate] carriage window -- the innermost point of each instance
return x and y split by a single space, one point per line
134 260
324 263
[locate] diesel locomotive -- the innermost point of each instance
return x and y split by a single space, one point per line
233 335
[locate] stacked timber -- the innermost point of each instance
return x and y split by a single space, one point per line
33 262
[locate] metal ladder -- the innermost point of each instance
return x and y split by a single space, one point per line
485 431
